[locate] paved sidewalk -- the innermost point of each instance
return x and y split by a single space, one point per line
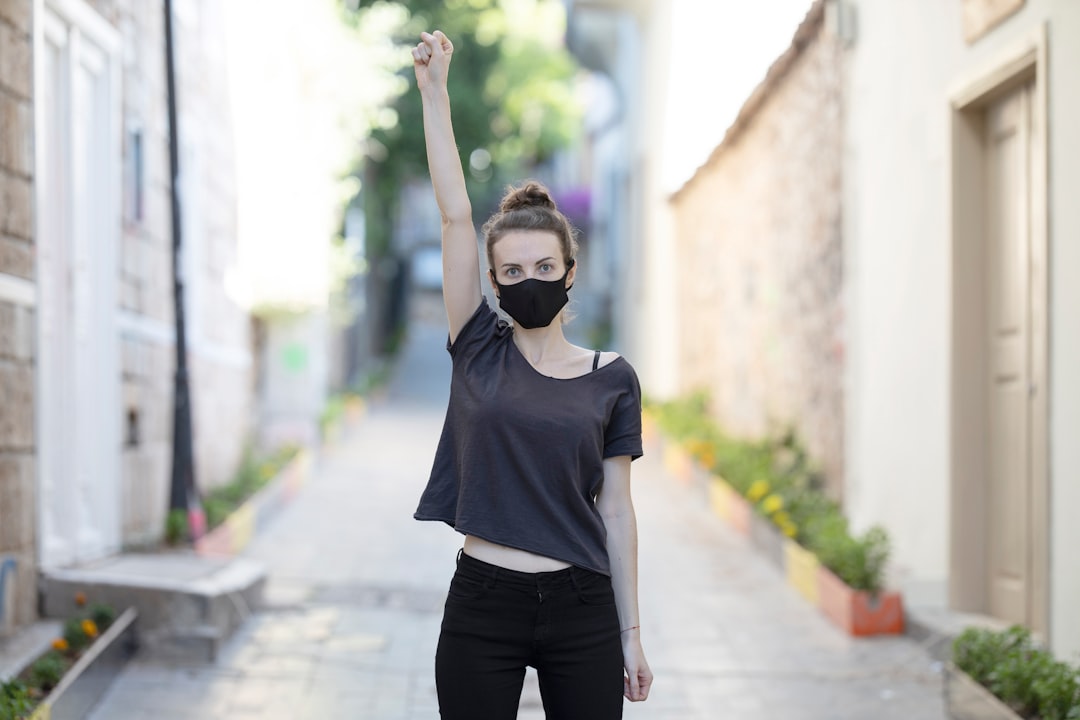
357 587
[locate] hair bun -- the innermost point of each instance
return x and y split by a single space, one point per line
531 194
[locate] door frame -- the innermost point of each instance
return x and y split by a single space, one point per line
56 374
1022 62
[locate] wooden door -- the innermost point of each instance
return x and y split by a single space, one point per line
1008 343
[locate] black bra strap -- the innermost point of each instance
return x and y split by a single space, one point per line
596 360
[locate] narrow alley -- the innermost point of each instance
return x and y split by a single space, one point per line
356 589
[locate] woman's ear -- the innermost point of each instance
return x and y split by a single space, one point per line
494 285
571 273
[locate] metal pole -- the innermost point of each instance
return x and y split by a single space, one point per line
183 494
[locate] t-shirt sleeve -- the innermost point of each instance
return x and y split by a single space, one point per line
477 331
622 436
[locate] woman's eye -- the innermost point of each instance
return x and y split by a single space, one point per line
512 272
545 268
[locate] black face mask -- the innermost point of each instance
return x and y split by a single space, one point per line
534 303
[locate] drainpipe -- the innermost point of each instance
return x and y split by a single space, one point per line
183 494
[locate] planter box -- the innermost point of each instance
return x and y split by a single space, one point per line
966 699
88 679
803 569
857 611
722 498
678 463
233 535
768 539
741 512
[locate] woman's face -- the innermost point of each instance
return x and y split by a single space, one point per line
522 254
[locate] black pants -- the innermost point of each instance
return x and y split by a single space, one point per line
498 621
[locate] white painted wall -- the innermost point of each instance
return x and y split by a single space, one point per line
905 59
1064 117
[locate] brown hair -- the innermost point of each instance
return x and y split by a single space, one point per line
530 207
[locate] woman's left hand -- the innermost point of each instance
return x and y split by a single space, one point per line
639 677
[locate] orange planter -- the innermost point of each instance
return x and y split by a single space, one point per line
741 511
678 462
857 611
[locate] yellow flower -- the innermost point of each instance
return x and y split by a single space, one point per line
60 644
784 522
758 490
90 628
772 504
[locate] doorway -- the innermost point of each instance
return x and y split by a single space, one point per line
78 220
1000 514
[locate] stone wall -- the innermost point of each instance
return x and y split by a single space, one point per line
759 259
219 343
18 571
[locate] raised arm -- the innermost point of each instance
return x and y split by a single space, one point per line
461 261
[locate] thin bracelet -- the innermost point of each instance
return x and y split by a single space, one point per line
633 627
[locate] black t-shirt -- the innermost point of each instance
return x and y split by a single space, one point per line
520 459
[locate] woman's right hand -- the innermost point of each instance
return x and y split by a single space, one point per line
431 59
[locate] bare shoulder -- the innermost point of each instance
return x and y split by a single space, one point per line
606 358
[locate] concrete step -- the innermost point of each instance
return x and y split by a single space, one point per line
188 605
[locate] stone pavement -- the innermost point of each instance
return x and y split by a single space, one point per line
357 586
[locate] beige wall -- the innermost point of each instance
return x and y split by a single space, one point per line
757 232
17 319
905 63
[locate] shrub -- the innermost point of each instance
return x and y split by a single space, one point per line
75 634
1025 677
254 473
15 701
176 527
858 561
47 671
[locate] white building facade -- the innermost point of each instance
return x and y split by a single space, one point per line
962 274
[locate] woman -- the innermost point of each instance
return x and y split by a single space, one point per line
533 465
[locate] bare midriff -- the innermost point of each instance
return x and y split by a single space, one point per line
510 558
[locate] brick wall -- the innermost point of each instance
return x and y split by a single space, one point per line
759 258
17 321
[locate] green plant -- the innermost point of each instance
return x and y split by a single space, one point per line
75 634
858 561
15 700
176 527
253 474
1057 692
1025 677
46 672
102 614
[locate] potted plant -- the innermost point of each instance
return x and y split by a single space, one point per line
1004 675
851 578
62 678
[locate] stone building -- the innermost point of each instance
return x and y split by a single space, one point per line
87 332
757 237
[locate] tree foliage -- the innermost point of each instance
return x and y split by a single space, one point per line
511 89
